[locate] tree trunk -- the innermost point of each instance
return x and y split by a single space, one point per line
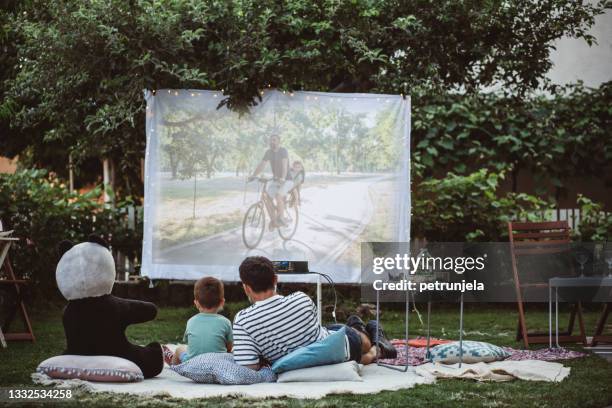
515 172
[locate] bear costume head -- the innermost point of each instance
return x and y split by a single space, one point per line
86 269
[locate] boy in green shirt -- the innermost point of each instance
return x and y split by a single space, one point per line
208 331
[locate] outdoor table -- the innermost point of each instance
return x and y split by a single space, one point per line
574 282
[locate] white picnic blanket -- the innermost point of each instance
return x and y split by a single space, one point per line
375 379
530 370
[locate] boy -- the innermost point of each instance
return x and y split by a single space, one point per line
208 331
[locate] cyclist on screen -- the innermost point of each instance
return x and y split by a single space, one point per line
278 157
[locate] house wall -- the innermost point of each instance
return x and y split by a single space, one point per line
7 165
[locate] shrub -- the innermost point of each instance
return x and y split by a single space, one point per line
595 223
469 208
42 212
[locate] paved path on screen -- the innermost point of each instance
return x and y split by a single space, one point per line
331 218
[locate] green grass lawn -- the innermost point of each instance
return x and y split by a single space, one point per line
589 384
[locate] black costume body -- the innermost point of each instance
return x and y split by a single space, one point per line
96 326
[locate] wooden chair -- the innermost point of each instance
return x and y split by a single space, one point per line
9 279
598 336
540 238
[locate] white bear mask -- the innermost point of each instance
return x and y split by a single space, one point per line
85 270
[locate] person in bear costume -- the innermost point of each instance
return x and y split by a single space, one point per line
94 320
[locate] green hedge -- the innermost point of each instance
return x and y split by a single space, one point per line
42 212
469 208
553 137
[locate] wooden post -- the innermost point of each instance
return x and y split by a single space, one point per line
71 173
106 178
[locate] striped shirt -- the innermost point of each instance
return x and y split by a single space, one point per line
274 327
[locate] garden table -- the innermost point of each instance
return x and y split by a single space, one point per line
574 282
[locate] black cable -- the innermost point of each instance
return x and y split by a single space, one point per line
331 282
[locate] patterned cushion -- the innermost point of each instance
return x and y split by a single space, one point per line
220 368
473 352
91 368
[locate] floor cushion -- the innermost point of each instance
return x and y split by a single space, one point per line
473 352
220 368
347 371
330 350
91 368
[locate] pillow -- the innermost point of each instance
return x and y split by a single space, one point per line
220 368
347 371
91 368
473 352
330 350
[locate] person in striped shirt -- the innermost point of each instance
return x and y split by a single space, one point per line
274 325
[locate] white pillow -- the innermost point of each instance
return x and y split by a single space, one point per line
347 371
91 368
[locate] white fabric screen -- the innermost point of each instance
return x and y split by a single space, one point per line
355 152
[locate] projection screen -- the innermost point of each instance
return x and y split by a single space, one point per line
335 172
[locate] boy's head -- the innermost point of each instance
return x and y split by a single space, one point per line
208 293
297 165
257 274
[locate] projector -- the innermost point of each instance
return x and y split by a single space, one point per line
291 267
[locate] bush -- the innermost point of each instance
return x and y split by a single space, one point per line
469 208
42 212
595 223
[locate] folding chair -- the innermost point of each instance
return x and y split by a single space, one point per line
6 240
540 238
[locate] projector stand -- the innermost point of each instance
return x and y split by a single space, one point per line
319 303
406 322
460 330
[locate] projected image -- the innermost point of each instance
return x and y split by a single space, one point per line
304 176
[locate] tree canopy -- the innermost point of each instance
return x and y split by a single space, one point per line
73 72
